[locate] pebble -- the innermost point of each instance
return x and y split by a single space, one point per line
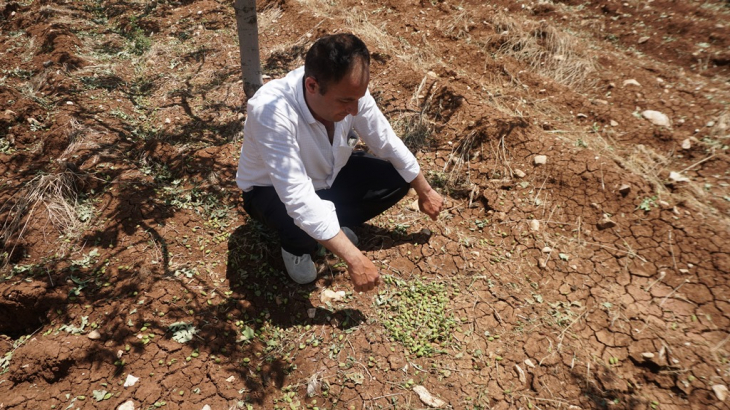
131 381
614 123
529 363
206 407
656 118
677 177
127 405
427 398
631 82
231 379
534 225
94 335
647 355
686 144
643 40
540 159
329 295
720 391
519 173
547 249
520 374
624 189
605 223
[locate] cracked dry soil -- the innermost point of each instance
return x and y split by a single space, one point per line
597 279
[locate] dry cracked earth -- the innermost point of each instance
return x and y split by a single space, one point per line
581 262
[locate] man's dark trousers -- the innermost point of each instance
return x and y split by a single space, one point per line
365 187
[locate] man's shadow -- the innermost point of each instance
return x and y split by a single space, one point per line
258 279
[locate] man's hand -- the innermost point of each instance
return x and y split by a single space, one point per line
430 202
364 275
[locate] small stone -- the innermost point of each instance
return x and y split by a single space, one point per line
120 352
427 398
686 144
656 118
127 405
311 312
611 85
131 381
595 206
426 231
206 407
520 374
529 363
534 225
69 103
547 249
581 115
664 204
647 356
94 335
540 159
631 82
710 124
519 173
720 391
677 177
542 264
329 295
605 223
624 189
413 206
684 271
231 379
167 120
643 40
614 123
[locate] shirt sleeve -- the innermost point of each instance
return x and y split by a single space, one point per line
278 147
375 130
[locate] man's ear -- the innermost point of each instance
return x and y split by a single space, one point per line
311 85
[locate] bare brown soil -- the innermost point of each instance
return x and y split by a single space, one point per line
596 280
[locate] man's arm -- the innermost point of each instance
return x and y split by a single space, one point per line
363 273
429 201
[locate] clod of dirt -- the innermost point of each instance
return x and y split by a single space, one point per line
631 82
624 189
720 391
656 118
540 159
427 398
329 295
605 223
127 405
519 173
94 335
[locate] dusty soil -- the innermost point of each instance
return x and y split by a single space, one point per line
598 279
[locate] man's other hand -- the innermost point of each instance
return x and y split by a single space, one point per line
364 275
431 203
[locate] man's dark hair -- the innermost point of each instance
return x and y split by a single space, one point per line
330 58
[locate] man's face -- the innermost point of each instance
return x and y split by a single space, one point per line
340 99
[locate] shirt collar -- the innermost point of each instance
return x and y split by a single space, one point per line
306 113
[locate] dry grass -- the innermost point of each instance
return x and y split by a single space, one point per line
54 194
548 51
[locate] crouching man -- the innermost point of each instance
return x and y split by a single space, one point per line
297 168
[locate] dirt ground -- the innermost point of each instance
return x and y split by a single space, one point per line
582 261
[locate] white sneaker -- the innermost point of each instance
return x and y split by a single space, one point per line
300 268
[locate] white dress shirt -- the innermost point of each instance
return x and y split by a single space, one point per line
285 147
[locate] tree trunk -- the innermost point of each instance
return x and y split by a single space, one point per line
248 39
